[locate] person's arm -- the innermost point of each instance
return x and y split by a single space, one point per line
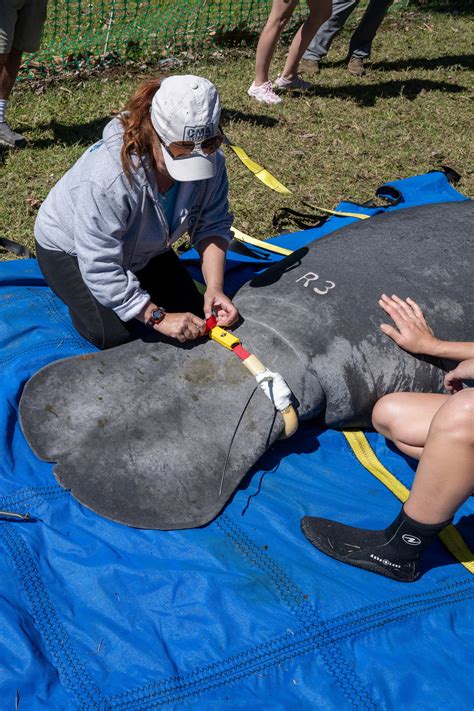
213 255
211 238
454 350
413 334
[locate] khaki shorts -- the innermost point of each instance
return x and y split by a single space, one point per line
21 24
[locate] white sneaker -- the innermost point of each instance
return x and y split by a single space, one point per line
297 84
264 93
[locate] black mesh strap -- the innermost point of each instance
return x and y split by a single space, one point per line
285 218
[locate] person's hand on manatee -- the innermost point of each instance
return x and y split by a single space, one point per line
411 331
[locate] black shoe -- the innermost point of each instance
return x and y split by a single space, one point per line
359 547
10 138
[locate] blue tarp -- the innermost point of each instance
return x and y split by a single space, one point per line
242 613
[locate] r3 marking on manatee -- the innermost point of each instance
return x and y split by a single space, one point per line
311 276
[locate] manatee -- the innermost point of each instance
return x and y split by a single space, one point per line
157 435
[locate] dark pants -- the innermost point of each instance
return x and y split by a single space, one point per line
164 278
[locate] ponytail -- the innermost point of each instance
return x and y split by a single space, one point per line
139 136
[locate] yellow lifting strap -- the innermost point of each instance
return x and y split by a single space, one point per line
450 536
338 213
268 246
260 172
274 184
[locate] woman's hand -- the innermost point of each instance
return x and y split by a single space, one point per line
213 253
412 333
182 326
463 371
217 303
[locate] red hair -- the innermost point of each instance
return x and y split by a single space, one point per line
139 136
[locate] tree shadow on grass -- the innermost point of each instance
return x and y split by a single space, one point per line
368 94
446 61
229 115
4 150
83 134
457 7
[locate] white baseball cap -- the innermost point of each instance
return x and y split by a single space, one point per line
187 108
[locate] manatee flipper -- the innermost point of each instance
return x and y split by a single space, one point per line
140 433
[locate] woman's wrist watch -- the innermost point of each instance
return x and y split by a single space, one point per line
156 317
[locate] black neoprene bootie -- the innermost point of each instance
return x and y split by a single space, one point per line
393 552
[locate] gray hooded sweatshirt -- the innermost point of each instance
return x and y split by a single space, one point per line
115 227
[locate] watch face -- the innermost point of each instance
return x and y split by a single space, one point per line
158 314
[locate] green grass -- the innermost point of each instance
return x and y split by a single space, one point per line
410 114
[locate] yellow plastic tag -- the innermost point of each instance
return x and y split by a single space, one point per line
223 337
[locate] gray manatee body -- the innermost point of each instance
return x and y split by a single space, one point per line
141 433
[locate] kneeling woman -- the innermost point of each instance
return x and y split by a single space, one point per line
104 234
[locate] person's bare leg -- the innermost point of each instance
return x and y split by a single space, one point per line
9 67
443 481
405 419
445 475
319 12
280 14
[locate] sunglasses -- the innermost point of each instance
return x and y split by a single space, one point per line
181 149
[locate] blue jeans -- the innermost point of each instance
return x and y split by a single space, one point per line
361 40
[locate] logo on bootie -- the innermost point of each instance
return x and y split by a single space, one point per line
411 540
385 561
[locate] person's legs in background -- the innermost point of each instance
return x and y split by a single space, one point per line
21 26
9 65
10 60
319 13
322 40
360 46
281 12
